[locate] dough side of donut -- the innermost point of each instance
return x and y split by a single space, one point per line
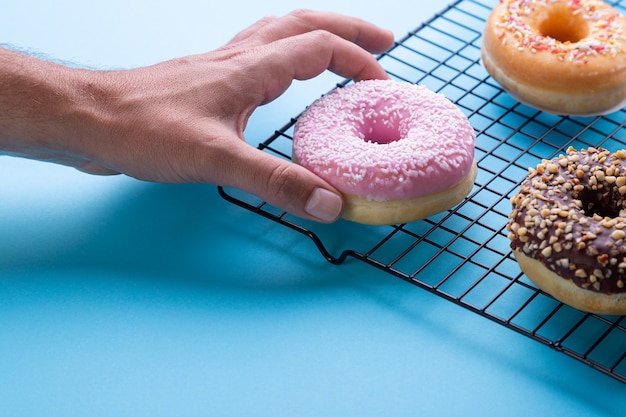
568 292
362 210
574 101
593 84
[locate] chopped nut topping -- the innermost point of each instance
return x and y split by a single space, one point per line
580 273
575 206
618 234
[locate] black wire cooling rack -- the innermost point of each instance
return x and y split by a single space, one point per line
463 254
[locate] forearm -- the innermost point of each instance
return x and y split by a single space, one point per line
38 99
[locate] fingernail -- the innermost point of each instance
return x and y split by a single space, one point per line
324 205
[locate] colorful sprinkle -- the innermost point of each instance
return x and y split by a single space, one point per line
605 36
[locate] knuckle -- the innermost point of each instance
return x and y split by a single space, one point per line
266 20
323 36
301 14
306 19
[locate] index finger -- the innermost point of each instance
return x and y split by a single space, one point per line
270 29
308 55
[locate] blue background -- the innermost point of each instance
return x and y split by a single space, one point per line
120 297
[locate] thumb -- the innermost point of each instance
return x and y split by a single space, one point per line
288 186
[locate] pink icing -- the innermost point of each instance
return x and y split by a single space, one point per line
385 140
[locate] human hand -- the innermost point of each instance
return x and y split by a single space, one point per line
183 120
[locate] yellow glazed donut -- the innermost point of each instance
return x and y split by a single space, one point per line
560 56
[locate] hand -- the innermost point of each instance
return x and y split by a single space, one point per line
183 120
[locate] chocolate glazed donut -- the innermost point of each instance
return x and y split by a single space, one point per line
568 229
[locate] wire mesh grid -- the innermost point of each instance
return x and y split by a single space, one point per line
463 254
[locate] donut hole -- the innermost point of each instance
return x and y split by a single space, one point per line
381 133
560 23
603 204
381 124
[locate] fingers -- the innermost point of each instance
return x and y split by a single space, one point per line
285 185
247 33
358 31
313 52
304 44
305 56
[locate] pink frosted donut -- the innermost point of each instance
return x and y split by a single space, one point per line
397 151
